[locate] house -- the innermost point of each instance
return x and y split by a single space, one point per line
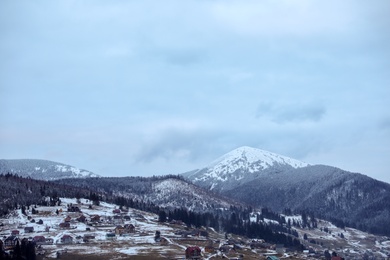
119 230
67 219
130 228
336 258
64 225
28 229
95 218
193 252
82 218
127 218
272 257
116 211
15 232
10 242
39 240
66 239
40 222
126 229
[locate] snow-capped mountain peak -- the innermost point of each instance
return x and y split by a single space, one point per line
245 156
242 164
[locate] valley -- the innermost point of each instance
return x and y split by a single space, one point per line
100 231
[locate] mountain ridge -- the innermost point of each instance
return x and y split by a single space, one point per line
43 169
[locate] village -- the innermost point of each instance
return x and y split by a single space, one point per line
78 229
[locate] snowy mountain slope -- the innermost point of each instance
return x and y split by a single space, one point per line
164 191
42 169
240 166
264 179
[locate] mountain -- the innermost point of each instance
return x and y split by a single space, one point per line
165 191
240 166
42 169
330 193
264 179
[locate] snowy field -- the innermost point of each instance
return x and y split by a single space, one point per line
89 239
141 241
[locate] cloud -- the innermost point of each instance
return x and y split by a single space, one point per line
175 144
290 112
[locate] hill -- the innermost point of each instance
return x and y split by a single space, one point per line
42 169
166 191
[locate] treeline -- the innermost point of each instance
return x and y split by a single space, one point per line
112 185
16 191
234 223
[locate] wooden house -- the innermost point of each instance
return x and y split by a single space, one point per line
119 230
67 219
193 252
82 218
28 229
95 218
10 242
64 225
116 211
39 240
129 228
15 232
66 239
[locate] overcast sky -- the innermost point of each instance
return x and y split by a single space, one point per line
156 87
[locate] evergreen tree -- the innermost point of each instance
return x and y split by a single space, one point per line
162 216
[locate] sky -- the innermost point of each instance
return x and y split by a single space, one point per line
142 88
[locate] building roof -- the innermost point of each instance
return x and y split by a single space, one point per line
10 238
